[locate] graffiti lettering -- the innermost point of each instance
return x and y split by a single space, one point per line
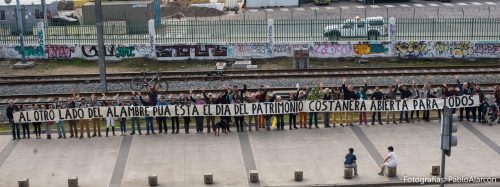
91 50
361 49
125 51
487 48
332 49
59 51
411 49
30 51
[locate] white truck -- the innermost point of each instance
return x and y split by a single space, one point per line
370 28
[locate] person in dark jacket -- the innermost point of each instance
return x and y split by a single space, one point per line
209 100
292 117
175 119
327 95
149 120
162 121
135 120
238 98
224 120
349 94
37 126
73 124
391 94
405 94
464 90
377 95
187 119
478 109
10 116
25 126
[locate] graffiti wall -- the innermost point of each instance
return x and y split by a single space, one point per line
446 49
405 49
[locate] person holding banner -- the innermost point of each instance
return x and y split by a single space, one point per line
280 118
349 94
327 95
361 95
175 119
336 96
59 123
238 99
73 131
187 119
10 116
480 93
48 124
391 94
314 95
198 119
405 94
209 100
261 97
303 115
270 97
162 121
464 90
25 126
96 122
292 117
37 126
110 120
123 126
224 120
135 120
377 95
251 118
149 120
417 94
84 122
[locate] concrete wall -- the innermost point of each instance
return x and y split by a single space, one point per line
269 49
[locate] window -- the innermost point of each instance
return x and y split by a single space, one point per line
38 14
2 14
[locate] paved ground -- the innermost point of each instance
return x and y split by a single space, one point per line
181 160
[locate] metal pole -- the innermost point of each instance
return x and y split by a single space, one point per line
340 12
442 168
437 13
20 27
44 11
157 13
101 52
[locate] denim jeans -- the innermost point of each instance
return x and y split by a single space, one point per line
311 115
60 129
123 127
15 129
149 124
135 122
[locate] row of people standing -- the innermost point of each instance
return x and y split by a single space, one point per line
235 95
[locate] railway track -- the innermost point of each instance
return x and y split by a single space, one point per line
48 98
251 74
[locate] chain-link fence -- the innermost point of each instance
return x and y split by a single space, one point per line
252 31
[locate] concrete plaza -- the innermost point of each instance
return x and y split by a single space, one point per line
182 159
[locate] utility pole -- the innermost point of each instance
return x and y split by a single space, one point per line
20 28
101 52
157 13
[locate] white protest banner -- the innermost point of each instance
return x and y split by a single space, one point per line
243 109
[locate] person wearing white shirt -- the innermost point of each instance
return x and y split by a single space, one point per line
390 161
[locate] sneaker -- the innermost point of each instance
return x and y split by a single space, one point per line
381 174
